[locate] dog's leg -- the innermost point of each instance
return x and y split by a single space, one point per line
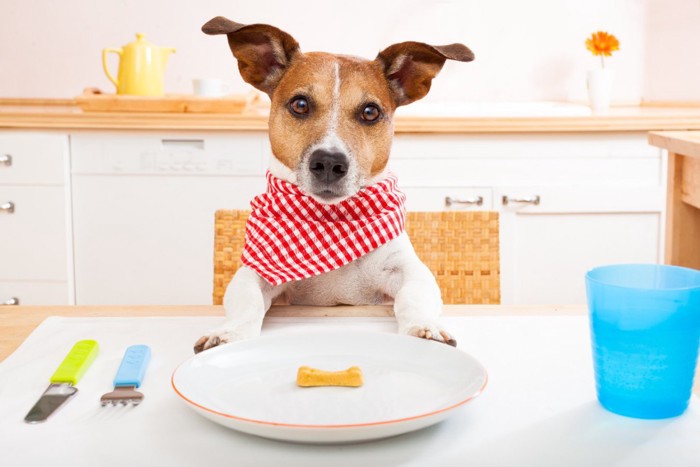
247 299
418 305
417 298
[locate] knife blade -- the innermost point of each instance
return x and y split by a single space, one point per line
62 383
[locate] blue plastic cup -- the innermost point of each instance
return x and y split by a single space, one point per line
645 332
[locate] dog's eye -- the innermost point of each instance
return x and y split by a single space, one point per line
370 113
299 106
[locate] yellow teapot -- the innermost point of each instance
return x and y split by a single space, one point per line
141 67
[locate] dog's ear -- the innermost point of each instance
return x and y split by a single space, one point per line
263 51
410 67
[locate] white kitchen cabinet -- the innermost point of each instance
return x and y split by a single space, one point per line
129 219
143 211
600 201
35 158
35 252
34 292
547 248
454 198
35 246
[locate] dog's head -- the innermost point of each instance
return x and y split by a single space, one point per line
331 116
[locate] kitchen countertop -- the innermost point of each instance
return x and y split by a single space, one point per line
63 114
679 142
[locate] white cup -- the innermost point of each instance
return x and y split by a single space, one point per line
210 87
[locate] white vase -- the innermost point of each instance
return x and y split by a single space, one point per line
600 83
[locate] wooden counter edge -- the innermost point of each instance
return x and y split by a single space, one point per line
686 143
17 322
682 196
407 124
37 102
64 101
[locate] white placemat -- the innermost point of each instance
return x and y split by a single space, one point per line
539 408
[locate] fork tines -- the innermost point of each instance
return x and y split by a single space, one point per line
122 395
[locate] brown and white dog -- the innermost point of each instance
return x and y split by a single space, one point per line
333 114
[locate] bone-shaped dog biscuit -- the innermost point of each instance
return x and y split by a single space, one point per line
311 377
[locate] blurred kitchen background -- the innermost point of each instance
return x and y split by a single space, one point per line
526 50
115 203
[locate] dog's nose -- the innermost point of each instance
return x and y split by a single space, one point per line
328 166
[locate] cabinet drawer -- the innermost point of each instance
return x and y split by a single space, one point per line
32 158
614 160
448 199
484 171
592 200
33 237
523 146
165 153
35 293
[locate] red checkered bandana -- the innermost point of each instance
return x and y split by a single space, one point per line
291 236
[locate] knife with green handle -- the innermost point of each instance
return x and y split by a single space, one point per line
63 381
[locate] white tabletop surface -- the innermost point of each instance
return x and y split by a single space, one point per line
539 408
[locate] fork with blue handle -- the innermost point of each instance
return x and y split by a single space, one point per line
129 377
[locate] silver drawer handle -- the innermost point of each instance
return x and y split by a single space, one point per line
5 159
474 201
12 301
525 200
8 207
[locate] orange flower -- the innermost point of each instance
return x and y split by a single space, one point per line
602 43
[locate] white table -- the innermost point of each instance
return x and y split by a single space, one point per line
539 408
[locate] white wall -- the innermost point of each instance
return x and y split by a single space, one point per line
672 67
526 50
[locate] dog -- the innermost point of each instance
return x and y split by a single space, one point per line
330 129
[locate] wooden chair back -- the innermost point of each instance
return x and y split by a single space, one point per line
461 248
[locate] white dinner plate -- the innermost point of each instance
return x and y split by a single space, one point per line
250 386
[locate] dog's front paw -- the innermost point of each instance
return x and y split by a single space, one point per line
207 342
217 337
429 331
